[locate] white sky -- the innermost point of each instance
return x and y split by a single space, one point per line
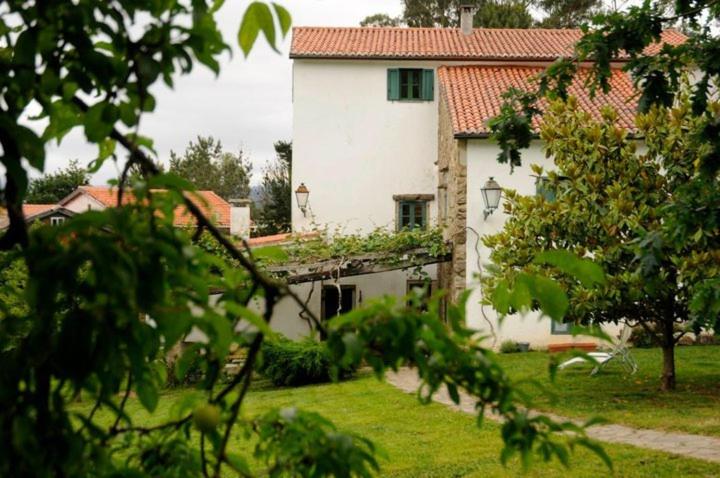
248 106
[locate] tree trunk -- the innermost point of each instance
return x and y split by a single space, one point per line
668 349
668 372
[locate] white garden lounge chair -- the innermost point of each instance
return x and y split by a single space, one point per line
618 350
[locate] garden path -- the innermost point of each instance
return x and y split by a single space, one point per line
684 444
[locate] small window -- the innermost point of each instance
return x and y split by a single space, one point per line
333 302
57 220
543 188
559 328
410 84
412 215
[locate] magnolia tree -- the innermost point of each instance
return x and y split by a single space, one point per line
692 215
607 198
97 302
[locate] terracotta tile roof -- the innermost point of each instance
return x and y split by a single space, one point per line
215 207
473 94
30 210
442 43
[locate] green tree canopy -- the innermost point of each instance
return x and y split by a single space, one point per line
491 13
207 166
51 188
380 20
567 13
606 198
274 214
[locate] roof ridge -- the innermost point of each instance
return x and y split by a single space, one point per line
344 27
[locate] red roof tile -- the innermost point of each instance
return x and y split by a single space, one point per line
473 94
442 43
212 205
30 210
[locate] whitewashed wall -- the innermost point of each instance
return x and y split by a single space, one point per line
354 149
482 163
286 318
82 203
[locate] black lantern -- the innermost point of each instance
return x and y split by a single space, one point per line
301 194
491 193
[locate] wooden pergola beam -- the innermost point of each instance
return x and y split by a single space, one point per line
298 273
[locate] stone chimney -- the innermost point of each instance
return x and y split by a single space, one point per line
240 217
467 14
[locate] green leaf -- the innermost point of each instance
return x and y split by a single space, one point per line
283 17
30 146
500 297
597 449
238 464
552 298
258 17
147 393
186 360
586 271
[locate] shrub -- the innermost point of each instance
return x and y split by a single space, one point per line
643 338
290 363
508 347
707 339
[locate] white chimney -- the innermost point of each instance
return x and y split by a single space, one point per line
240 217
467 14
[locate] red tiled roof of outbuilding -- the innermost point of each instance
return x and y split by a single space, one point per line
474 94
212 205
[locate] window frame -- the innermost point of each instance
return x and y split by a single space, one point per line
343 288
397 90
560 328
57 220
412 203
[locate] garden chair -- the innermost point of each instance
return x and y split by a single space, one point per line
619 350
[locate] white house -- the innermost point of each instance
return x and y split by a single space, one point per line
390 129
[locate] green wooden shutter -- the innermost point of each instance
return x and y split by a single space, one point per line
428 85
393 84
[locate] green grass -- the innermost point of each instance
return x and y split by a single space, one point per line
631 400
433 440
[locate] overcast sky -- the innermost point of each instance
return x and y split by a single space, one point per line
247 107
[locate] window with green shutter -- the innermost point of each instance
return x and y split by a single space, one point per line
410 84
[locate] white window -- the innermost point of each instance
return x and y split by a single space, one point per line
56 220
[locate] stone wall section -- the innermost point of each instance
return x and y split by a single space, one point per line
452 201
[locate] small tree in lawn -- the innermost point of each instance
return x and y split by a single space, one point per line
605 199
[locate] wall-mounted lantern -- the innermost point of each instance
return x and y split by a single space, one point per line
491 193
301 194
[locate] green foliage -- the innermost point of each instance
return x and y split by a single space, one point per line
380 241
610 201
286 435
567 13
51 188
509 347
446 355
274 215
295 363
208 167
380 20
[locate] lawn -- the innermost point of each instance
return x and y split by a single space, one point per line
631 400
434 441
